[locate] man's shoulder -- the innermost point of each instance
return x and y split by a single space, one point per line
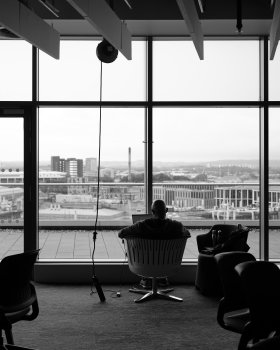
178 227
175 223
129 230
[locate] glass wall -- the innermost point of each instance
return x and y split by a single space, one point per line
76 75
274 70
274 183
208 173
205 160
15 70
229 71
68 150
11 186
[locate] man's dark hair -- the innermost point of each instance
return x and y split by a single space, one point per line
159 209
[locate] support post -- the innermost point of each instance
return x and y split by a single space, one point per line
264 152
149 129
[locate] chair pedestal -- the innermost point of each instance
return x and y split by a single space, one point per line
10 346
207 276
155 293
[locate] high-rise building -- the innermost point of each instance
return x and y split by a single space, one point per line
72 166
91 165
129 164
58 164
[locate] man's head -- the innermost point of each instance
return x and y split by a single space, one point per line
159 209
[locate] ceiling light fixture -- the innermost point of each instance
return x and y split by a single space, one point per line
239 17
128 4
106 52
200 4
50 6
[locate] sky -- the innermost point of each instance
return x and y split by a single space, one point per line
189 134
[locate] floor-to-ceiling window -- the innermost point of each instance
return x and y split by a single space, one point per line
205 138
274 159
69 141
206 157
208 173
11 185
16 85
69 149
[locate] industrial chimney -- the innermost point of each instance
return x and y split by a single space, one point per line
129 164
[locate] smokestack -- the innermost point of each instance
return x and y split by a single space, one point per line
129 164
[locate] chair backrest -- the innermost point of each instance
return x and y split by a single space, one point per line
205 240
140 217
17 269
149 257
225 228
261 283
231 283
232 238
15 275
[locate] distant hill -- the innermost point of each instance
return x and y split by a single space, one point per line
158 165
11 165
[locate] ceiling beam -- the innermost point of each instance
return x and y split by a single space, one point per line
275 29
190 15
100 15
24 23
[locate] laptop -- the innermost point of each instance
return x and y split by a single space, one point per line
140 217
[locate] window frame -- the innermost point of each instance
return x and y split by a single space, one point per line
31 137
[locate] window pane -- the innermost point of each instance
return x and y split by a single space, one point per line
274 71
229 71
68 153
15 70
11 186
274 183
206 167
76 75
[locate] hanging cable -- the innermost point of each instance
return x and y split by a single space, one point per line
94 278
98 169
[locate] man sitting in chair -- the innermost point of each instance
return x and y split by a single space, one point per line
159 226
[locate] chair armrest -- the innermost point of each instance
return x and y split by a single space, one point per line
221 312
34 306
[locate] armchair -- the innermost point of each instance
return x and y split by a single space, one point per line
221 238
155 258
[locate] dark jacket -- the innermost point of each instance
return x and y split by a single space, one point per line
155 228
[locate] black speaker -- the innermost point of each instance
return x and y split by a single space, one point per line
106 52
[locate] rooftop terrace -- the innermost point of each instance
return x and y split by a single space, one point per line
78 244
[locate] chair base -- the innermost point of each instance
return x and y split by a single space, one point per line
13 347
149 295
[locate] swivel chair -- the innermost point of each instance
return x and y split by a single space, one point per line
155 258
261 284
18 299
233 312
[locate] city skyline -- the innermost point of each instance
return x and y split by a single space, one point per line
219 139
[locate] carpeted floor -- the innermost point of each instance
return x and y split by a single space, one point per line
72 319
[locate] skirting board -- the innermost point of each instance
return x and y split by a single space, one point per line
108 273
